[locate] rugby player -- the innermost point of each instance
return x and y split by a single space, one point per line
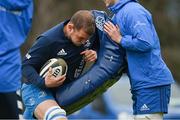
150 78
67 40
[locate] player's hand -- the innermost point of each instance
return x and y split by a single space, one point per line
51 81
90 55
113 31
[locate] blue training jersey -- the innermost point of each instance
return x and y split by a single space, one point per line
54 44
16 19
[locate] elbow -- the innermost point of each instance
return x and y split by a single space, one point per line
145 47
145 44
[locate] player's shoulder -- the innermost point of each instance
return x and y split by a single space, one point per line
54 32
43 40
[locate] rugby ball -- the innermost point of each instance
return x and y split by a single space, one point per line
58 65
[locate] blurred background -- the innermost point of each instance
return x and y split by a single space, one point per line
166 15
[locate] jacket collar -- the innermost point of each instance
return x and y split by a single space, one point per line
119 4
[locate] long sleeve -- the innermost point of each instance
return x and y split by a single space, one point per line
34 60
141 37
31 76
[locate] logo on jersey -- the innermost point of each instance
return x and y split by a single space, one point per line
138 23
87 44
100 22
144 108
79 70
62 52
28 56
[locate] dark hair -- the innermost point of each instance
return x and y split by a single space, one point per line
83 19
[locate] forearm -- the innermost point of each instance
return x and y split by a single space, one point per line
32 77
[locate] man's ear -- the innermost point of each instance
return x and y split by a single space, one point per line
70 27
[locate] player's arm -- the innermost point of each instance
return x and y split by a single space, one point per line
32 77
51 81
16 4
141 37
91 53
34 60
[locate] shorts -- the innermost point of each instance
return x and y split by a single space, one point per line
32 96
151 100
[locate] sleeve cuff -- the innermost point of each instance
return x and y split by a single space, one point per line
41 82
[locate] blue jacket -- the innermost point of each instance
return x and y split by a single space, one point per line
15 21
146 67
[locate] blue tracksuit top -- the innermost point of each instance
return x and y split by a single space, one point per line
54 44
15 23
146 67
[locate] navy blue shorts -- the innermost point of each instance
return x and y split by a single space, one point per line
151 100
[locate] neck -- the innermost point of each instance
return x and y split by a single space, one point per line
65 30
